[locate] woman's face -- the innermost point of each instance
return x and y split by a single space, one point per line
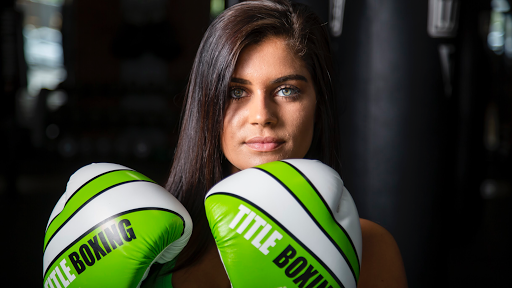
271 113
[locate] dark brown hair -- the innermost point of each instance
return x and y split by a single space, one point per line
198 161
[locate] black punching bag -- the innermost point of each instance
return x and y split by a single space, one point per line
394 60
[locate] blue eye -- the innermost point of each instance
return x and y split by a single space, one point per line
288 91
237 93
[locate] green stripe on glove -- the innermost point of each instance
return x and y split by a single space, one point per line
313 202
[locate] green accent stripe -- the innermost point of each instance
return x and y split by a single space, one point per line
88 192
316 207
124 213
277 223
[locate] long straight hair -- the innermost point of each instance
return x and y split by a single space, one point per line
199 162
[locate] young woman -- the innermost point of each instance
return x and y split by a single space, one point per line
260 90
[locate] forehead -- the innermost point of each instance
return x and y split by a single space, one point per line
271 57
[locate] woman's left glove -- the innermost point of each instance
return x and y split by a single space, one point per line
108 228
287 223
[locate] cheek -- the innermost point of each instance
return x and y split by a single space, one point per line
225 136
230 129
303 124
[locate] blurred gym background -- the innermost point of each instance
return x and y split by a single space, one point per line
425 94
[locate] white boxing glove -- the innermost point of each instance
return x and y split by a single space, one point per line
287 223
109 227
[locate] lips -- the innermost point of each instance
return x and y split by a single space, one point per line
264 144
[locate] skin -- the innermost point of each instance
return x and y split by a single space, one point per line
271 117
272 110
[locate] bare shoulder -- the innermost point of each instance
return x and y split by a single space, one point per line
381 264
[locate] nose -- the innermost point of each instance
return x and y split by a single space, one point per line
262 110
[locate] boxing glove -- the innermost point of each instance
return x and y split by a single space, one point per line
288 224
108 228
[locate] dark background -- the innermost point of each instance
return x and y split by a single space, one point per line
425 117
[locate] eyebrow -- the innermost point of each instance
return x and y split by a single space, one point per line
240 81
290 77
276 81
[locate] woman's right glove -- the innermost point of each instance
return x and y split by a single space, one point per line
109 227
288 224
